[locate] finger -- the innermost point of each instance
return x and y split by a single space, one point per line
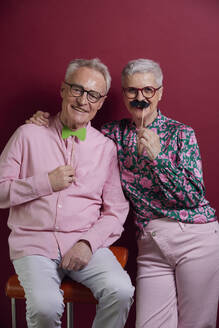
76 264
69 170
147 134
151 134
144 134
42 114
75 267
143 144
143 141
40 121
63 168
46 114
153 142
151 154
148 145
34 121
69 167
71 265
70 179
40 118
78 267
152 151
140 149
71 174
66 181
39 113
65 263
140 132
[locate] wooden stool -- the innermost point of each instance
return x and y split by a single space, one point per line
74 292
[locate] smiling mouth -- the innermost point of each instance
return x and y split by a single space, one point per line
78 109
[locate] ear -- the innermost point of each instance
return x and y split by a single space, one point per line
100 104
160 93
62 90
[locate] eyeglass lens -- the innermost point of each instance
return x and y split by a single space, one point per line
92 96
148 92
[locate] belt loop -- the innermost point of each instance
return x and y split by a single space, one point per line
141 233
182 225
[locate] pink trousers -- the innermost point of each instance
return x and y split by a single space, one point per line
178 275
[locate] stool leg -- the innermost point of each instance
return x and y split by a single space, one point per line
70 323
13 313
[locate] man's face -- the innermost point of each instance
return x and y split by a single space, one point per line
141 80
78 111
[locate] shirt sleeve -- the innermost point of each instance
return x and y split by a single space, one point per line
110 130
179 173
115 207
14 188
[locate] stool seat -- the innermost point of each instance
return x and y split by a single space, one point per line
74 292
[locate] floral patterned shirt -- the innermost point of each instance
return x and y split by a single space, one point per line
169 186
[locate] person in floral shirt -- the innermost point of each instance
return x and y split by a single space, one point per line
178 238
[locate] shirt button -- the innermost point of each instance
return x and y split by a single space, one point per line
153 234
57 228
59 206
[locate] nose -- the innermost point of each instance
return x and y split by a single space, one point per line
140 95
82 100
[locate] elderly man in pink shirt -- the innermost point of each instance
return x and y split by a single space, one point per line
63 189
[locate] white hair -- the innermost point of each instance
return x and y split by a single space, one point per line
94 63
143 66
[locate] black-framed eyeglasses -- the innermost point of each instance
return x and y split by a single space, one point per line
147 92
78 91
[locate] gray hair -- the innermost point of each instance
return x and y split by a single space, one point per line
143 66
94 63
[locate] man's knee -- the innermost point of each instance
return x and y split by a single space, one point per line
45 307
119 288
125 290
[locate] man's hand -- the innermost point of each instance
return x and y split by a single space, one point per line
150 141
62 177
39 118
77 257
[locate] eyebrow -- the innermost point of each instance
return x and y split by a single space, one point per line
81 86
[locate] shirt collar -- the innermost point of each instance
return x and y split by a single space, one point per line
159 120
59 125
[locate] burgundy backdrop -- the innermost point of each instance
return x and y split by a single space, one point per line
39 38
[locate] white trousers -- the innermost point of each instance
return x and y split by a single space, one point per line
178 275
41 278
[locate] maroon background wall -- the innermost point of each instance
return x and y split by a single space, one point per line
39 38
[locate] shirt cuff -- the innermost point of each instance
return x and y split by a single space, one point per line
42 186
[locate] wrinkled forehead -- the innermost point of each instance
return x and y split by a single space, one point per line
89 78
140 80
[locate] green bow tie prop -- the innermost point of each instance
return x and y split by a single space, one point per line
80 133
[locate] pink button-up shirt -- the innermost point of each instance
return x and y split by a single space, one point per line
41 221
